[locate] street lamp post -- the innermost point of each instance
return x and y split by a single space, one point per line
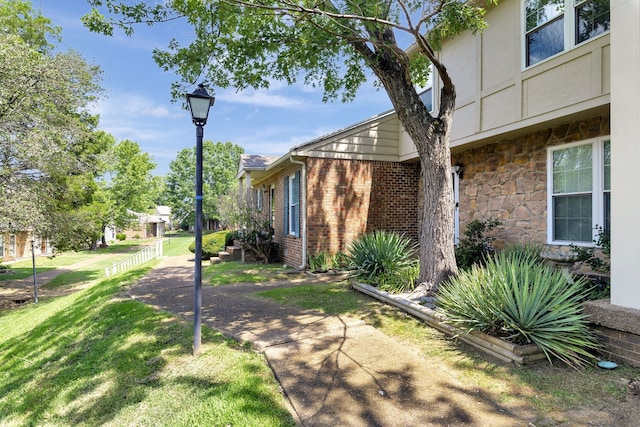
199 103
33 261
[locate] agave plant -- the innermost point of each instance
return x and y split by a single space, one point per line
380 253
516 297
529 250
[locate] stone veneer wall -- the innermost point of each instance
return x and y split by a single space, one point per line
347 198
507 180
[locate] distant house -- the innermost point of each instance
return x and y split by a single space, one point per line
164 213
323 194
545 138
146 225
15 246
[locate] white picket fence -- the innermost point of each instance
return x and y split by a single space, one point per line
148 253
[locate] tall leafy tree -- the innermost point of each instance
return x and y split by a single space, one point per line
132 184
84 206
46 129
247 43
220 162
18 17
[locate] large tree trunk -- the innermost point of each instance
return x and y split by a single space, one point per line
436 229
431 137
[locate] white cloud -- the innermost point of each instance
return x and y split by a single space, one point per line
133 106
260 98
278 140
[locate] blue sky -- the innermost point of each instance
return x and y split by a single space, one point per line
137 103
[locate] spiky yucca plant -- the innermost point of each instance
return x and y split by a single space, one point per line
380 253
516 297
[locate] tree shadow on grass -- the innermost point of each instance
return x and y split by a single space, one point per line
71 278
16 273
96 358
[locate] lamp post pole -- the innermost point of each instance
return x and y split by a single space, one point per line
197 313
199 103
33 261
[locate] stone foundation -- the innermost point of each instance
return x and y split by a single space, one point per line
618 329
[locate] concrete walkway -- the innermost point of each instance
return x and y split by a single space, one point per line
335 371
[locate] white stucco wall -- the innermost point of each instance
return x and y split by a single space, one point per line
625 153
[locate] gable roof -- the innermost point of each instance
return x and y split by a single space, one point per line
255 161
375 138
163 210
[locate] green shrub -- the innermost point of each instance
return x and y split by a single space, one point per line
212 244
259 242
339 261
519 299
598 263
400 280
475 245
121 236
380 253
320 262
3 268
231 236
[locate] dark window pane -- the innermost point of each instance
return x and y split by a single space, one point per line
607 211
607 165
546 41
572 218
540 11
427 98
592 18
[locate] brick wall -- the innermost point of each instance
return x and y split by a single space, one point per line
619 345
350 197
508 180
618 329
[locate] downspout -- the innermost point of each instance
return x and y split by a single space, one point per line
303 212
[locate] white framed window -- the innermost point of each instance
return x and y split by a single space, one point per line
259 200
553 26
426 92
292 204
12 245
579 191
272 205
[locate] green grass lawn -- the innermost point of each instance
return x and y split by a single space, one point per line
177 243
228 273
24 268
96 357
552 391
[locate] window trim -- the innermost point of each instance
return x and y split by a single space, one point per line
597 189
13 246
272 206
293 228
569 16
259 200
422 90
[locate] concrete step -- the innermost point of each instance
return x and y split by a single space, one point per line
233 249
226 256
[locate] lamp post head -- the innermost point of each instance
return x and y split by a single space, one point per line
199 103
